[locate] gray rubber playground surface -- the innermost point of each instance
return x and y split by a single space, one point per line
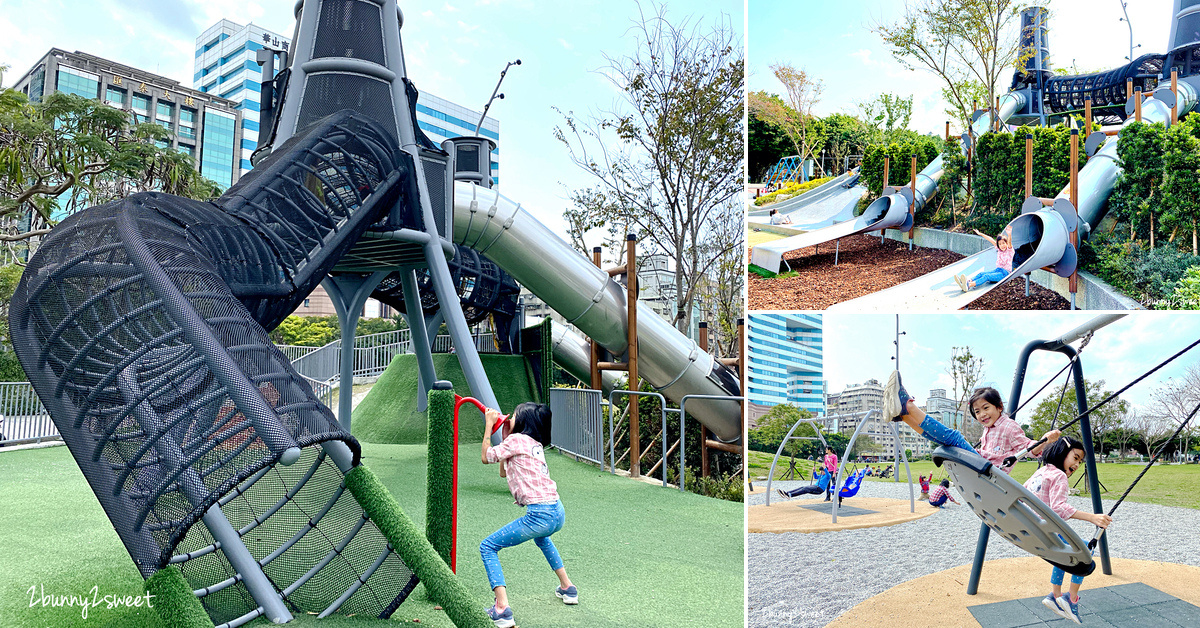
1121 606
807 580
844 510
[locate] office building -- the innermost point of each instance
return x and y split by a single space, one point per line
226 64
203 126
786 360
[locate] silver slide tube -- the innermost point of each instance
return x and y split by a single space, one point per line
574 354
1098 177
587 297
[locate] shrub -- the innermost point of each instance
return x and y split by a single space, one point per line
1187 292
1148 275
790 190
901 152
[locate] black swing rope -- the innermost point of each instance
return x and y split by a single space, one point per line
1106 399
1161 449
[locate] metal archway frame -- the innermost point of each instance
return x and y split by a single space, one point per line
775 460
899 454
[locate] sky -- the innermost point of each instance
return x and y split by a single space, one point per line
453 48
860 347
833 41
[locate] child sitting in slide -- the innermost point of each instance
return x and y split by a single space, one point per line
1050 485
530 484
1004 262
940 494
1002 437
822 485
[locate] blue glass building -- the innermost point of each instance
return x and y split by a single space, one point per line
226 64
786 358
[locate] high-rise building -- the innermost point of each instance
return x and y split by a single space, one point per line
864 397
202 125
786 357
226 64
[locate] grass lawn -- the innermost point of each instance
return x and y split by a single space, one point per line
641 555
1166 485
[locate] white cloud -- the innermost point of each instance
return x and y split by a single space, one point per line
565 44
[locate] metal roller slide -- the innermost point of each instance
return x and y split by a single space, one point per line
826 205
890 211
592 301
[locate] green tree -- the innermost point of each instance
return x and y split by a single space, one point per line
1047 415
887 113
1138 194
766 143
965 370
845 136
864 445
670 152
1181 179
968 44
774 426
69 152
793 114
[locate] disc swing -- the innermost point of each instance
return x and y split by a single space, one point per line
1016 514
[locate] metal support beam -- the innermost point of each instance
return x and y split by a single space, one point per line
426 373
349 293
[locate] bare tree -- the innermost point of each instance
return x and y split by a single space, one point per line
968 44
1175 400
965 370
669 153
794 114
722 293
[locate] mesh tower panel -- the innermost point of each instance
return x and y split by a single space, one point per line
352 29
140 325
328 92
1106 89
483 288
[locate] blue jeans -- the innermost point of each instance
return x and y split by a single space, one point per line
941 500
989 276
1056 578
935 432
539 522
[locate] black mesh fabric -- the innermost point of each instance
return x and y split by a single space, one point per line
483 288
326 93
350 28
141 326
1106 89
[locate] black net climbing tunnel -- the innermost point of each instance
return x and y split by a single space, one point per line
141 324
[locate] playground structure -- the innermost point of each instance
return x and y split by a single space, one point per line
1047 234
142 325
846 486
791 168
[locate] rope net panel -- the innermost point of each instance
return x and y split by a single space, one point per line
141 326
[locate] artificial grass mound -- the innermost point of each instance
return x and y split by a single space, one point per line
174 600
388 414
441 583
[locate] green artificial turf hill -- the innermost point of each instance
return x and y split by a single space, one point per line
640 554
388 414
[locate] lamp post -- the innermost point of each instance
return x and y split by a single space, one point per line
1125 19
494 94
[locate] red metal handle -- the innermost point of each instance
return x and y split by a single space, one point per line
458 401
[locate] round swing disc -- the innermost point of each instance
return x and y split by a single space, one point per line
1015 513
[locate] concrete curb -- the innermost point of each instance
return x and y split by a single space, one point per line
1092 294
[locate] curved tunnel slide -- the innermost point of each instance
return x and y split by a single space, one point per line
1040 239
831 203
573 286
141 326
1041 234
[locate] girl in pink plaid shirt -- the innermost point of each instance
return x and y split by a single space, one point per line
1002 437
524 463
1050 485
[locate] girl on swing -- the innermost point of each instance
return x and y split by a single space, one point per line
1002 437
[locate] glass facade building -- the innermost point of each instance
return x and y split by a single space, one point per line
226 65
147 97
786 356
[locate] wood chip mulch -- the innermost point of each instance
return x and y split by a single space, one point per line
865 266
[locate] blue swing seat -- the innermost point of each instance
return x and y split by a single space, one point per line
853 483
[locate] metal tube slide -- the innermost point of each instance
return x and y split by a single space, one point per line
574 354
1098 177
893 205
571 284
1040 239
762 214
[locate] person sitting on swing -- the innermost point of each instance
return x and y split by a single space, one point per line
1050 484
1002 437
822 485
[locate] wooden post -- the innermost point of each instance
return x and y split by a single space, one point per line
1175 91
912 207
631 292
1073 283
704 470
1028 165
947 130
1137 105
743 365
597 380
887 162
1087 115
996 116
1128 89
